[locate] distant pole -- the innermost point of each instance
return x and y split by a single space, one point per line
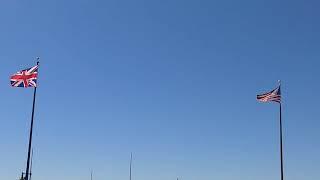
91 175
31 129
21 176
281 149
130 166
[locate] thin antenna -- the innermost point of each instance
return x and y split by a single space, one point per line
130 166
91 174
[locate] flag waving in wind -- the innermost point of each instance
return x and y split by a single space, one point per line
25 78
274 95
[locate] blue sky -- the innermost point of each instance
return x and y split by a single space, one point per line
174 82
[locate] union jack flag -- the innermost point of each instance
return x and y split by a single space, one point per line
274 95
25 78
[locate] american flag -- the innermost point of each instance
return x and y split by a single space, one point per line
25 78
274 95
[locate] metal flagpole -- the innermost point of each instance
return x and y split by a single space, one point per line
281 150
130 166
31 129
31 164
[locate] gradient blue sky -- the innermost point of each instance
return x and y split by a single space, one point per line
173 81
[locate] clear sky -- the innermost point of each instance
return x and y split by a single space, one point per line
173 81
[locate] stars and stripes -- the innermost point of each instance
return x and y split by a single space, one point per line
25 78
274 95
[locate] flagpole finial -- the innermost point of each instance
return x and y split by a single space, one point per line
38 58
